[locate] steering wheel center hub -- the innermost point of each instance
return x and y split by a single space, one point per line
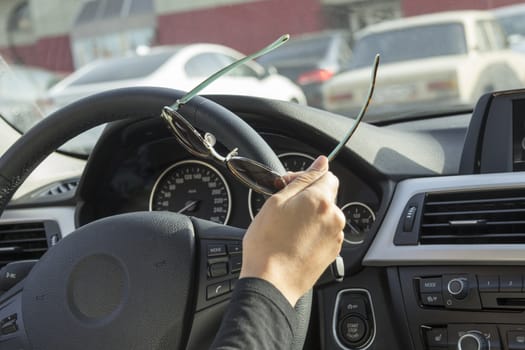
97 288
126 275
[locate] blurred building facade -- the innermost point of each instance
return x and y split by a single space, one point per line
63 35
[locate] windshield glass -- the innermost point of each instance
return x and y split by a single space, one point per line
413 43
122 68
437 57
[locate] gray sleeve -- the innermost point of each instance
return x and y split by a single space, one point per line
258 317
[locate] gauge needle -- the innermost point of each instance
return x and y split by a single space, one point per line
188 206
352 227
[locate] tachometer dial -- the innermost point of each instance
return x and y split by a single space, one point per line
194 188
291 162
359 220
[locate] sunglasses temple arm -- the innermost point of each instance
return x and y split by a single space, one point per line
361 114
228 68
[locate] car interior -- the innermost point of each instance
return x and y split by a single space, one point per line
143 248
432 259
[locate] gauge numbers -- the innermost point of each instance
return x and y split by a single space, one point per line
359 220
292 162
194 188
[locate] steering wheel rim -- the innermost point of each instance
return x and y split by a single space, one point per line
131 103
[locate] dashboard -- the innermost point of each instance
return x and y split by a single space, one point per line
158 174
434 242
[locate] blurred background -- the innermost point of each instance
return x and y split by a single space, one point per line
64 35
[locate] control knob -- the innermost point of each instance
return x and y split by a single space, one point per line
473 341
458 287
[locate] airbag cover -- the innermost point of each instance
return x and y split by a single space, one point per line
119 283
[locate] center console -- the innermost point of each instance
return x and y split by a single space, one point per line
465 308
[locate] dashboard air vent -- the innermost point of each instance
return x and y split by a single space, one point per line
26 240
474 217
60 188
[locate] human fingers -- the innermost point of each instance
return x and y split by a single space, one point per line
292 175
318 168
323 189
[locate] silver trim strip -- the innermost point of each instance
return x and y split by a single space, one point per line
334 319
383 252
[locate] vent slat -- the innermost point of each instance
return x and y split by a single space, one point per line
21 241
36 250
474 217
496 223
18 230
477 212
60 188
477 201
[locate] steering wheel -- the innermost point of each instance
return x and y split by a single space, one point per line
128 281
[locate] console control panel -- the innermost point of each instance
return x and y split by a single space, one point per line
354 323
221 263
472 291
474 337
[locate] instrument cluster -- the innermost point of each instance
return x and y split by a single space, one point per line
198 188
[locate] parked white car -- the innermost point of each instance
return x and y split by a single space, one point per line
178 67
438 61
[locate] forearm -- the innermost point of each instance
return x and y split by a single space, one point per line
258 317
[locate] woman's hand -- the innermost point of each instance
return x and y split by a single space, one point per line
297 233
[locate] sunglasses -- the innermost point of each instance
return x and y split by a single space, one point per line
253 174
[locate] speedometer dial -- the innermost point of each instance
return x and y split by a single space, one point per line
194 188
291 162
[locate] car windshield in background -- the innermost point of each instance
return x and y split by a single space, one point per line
513 24
312 49
436 56
122 68
410 44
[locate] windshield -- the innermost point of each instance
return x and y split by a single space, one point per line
310 48
437 57
413 43
122 68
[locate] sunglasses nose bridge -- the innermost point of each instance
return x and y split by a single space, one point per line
217 156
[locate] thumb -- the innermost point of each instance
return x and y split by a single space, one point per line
304 179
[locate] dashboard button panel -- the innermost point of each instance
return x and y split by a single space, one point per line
463 336
497 323
472 292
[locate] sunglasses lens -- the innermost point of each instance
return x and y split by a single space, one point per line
187 135
256 175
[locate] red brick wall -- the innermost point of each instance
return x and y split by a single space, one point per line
245 27
418 7
53 53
